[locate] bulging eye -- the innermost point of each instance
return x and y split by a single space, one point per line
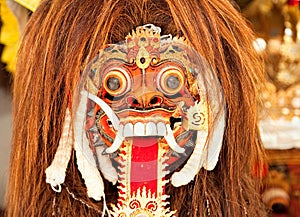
171 81
116 82
113 83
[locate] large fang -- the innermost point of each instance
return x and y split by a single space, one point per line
108 111
117 142
171 140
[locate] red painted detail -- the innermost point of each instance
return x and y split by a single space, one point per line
144 164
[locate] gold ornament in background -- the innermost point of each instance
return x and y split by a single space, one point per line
281 104
277 25
281 98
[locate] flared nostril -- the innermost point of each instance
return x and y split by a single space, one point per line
156 101
132 101
144 101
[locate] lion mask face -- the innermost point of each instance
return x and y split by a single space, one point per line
146 107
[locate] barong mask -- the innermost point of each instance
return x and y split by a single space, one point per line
148 110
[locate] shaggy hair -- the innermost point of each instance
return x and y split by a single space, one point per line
60 39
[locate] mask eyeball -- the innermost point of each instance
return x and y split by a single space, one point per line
171 81
115 82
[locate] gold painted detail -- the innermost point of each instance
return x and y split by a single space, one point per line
140 33
143 46
197 116
143 202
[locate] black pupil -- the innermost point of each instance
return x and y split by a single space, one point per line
173 82
113 83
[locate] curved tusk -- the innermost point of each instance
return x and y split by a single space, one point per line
171 140
56 172
106 108
117 142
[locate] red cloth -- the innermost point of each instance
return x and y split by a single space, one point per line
293 2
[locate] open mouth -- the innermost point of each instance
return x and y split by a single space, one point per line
183 130
165 125
133 123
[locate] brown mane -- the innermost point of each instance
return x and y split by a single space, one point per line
63 36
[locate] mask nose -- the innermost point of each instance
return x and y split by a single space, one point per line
145 100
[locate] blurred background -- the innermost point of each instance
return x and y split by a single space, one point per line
276 24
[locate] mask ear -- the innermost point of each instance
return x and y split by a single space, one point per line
209 139
56 172
205 154
85 157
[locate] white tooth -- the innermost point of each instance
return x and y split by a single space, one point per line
106 108
139 129
161 129
128 130
151 129
117 142
171 140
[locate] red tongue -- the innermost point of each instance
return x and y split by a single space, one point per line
144 164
